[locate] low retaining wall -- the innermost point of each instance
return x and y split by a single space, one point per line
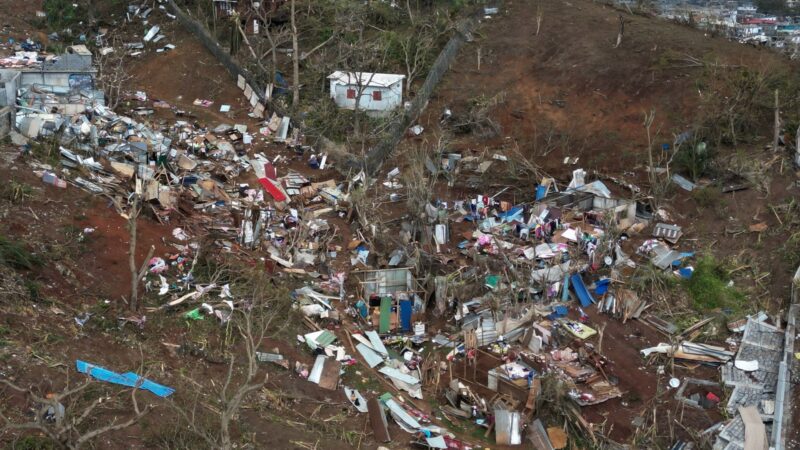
397 130
783 393
6 120
221 54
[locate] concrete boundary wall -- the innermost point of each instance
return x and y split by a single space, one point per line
441 65
783 394
6 120
397 129
221 54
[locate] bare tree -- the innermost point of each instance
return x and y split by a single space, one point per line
777 126
621 31
295 58
131 212
419 186
252 321
648 123
276 35
112 75
797 146
70 418
417 50
539 16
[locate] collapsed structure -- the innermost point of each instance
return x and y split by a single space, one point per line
515 293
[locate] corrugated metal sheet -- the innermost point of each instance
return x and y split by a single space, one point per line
386 282
373 359
385 315
398 375
664 257
436 442
670 233
316 371
539 437
268 357
401 415
320 338
506 426
375 341
487 333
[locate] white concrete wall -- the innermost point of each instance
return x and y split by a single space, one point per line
391 97
10 78
48 78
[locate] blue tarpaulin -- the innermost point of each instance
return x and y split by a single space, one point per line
558 311
511 215
541 191
129 379
601 286
362 308
406 308
580 290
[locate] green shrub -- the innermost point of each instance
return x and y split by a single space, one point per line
707 197
694 160
33 443
63 13
15 256
709 287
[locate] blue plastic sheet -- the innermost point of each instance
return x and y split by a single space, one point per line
405 314
558 311
583 294
541 191
128 379
601 286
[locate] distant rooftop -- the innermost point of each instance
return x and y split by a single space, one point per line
366 78
68 62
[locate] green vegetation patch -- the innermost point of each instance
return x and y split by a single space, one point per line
709 287
15 256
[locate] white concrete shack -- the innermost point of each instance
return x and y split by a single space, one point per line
72 69
380 93
32 95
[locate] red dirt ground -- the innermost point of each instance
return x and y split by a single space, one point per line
602 114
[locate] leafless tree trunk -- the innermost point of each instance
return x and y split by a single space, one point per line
136 274
112 75
295 59
361 87
416 48
238 25
777 130
274 52
410 13
648 122
621 31
539 16
797 146
131 214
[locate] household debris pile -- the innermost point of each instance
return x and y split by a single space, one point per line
478 304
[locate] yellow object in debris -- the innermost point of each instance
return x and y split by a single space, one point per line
578 329
797 355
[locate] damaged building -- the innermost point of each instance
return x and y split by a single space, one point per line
38 94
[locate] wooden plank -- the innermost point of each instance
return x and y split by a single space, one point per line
533 393
377 418
330 374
